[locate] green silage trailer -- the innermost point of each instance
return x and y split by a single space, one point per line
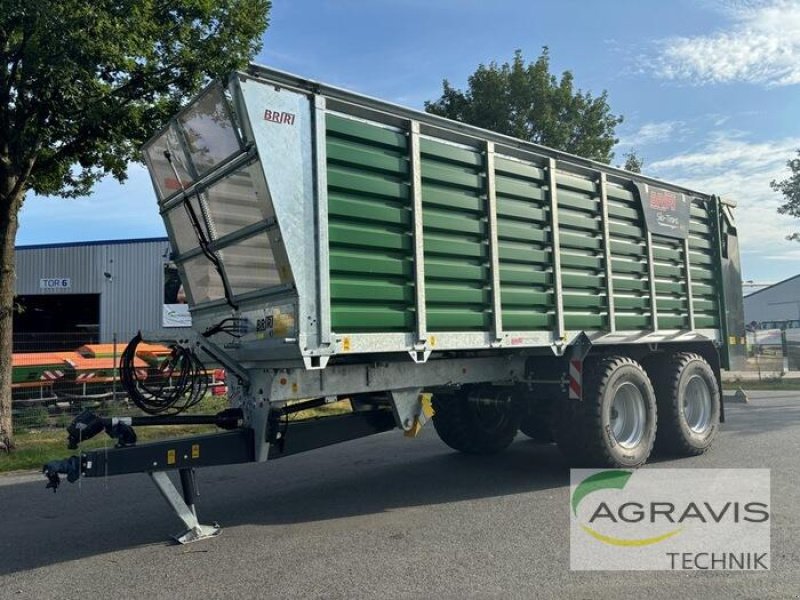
337 246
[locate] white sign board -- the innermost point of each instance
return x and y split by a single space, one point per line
670 519
55 283
176 315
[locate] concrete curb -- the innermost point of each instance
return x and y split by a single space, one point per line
15 477
745 376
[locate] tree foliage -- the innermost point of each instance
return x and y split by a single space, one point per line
633 162
790 189
526 101
84 83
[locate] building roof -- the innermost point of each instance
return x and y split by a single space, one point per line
93 243
774 285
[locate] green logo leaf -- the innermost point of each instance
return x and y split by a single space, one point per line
599 481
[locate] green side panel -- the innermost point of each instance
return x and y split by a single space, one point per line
581 250
704 321
353 317
593 284
524 240
631 321
632 307
369 208
704 267
632 302
671 293
526 320
372 243
457 279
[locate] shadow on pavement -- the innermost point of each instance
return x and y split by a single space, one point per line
364 477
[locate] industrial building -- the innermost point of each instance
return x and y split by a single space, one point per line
776 306
92 291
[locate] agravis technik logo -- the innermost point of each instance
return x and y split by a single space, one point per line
611 480
704 519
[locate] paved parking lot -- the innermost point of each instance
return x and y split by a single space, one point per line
383 516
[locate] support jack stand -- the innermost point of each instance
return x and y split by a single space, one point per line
183 505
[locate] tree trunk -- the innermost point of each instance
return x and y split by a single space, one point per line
10 203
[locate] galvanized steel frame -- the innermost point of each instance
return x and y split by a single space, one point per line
651 275
321 224
688 266
494 246
365 343
552 194
723 309
231 238
609 271
363 378
415 171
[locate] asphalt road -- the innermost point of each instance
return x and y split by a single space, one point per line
379 517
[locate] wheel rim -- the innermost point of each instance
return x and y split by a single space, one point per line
628 415
697 404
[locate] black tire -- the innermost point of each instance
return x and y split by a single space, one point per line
466 425
677 436
584 428
537 427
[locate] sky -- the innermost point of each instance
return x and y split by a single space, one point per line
709 90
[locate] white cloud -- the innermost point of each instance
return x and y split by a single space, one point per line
731 151
761 46
654 133
729 165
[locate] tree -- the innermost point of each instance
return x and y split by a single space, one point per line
633 162
526 101
82 85
790 188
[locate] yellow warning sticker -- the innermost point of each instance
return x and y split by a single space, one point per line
432 340
195 450
346 344
170 457
732 340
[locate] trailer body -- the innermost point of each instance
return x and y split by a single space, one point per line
337 246
346 227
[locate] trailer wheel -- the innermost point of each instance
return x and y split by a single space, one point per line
537 428
688 405
614 425
476 421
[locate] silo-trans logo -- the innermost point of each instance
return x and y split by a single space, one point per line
670 519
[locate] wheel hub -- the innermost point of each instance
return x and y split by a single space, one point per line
628 415
697 404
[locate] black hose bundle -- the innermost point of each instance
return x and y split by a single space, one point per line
182 382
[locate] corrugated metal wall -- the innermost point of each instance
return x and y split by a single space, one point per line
130 300
780 302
